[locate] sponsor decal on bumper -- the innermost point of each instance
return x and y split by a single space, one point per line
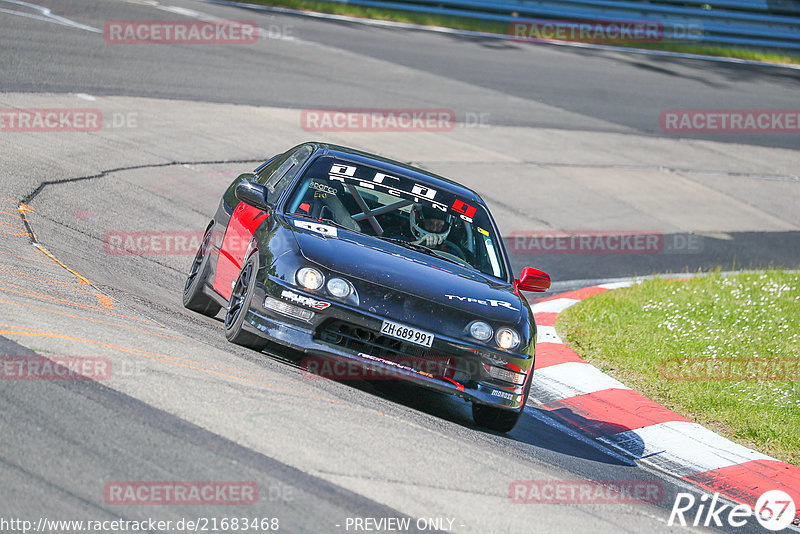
305 301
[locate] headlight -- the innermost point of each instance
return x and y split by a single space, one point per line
338 288
507 339
310 278
480 331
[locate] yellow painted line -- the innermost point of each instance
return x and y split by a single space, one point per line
67 302
104 300
34 260
14 226
92 320
142 330
158 357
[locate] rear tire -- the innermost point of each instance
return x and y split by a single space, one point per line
239 303
193 296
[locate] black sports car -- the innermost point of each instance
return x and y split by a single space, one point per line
348 256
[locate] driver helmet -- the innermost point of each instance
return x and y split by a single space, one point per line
426 220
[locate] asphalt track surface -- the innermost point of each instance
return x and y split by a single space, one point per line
184 405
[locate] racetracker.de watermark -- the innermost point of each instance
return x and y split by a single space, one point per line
180 32
152 243
730 121
602 31
54 368
50 120
63 120
180 493
602 242
731 369
585 492
378 120
318 367
157 243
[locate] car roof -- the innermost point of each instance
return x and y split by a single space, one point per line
395 167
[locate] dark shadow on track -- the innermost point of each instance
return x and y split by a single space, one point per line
530 430
74 437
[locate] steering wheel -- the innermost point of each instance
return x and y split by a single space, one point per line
448 255
454 248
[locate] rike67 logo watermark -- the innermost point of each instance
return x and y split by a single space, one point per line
775 510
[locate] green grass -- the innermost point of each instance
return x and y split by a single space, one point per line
651 336
466 23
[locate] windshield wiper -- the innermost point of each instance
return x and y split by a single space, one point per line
409 244
429 251
424 250
450 258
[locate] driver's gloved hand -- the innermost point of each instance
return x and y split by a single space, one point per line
432 240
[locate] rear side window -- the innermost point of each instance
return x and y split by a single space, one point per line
279 174
268 171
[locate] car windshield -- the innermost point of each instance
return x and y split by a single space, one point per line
399 209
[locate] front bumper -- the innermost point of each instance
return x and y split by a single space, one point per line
469 378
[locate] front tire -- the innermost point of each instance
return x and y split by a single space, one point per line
239 303
496 419
193 296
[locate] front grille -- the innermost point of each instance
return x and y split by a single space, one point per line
360 339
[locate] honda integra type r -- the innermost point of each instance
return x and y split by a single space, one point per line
352 257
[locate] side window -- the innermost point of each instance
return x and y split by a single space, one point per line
280 179
266 164
269 170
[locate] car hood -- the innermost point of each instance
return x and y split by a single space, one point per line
393 273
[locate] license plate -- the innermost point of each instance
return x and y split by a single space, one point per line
407 333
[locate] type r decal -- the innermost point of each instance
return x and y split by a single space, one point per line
486 302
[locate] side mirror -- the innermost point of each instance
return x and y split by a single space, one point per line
251 193
533 280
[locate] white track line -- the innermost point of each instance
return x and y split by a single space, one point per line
46 15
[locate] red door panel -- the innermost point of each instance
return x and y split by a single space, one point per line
243 224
